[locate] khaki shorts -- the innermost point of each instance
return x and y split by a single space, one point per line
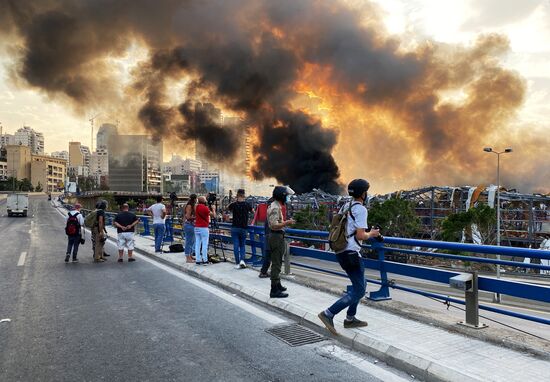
126 240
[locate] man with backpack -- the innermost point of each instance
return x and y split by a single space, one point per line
348 227
73 228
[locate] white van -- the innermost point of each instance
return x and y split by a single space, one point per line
17 204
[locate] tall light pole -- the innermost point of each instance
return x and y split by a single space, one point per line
496 296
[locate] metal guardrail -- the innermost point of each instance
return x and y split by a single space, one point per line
256 242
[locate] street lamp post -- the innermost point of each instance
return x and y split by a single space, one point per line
496 296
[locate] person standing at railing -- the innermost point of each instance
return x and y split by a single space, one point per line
239 227
276 237
125 222
202 221
189 227
99 232
350 258
158 212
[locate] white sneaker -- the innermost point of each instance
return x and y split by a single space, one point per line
238 266
242 265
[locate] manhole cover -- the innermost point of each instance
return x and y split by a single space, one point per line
295 335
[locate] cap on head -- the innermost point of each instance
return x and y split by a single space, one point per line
357 187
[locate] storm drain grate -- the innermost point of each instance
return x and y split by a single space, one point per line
295 335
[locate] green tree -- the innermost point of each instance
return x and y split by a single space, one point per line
38 187
396 217
26 185
131 203
312 219
111 202
479 220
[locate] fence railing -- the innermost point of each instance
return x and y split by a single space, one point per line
423 248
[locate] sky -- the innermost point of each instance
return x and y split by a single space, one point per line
525 23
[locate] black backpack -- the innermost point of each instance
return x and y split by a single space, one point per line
72 228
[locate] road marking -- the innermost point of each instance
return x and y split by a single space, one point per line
22 258
271 318
360 363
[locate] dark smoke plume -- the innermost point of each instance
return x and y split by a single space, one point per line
401 117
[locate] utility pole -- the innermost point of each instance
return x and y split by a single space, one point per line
496 296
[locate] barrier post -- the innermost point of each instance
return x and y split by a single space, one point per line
287 258
471 299
384 292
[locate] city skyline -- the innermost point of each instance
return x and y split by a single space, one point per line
521 49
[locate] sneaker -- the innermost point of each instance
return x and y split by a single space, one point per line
238 266
106 254
99 261
120 260
242 265
67 258
264 275
131 259
354 323
75 260
328 322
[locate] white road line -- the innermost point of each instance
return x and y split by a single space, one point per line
218 292
22 258
361 363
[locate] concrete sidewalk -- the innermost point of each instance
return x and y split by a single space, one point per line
425 351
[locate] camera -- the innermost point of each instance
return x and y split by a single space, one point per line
211 198
380 238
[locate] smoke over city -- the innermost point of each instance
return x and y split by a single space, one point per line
327 92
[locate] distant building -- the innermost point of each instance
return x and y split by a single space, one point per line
47 171
99 164
104 134
27 136
4 171
18 158
179 166
61 155
79 155
135 164
73 172
7 139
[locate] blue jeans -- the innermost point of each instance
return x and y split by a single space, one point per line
189 231
159 235
201 244
239 243
354 267
72 245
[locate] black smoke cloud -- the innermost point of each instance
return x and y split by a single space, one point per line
247 57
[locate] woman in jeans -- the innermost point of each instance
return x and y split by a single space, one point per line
202 220
189 227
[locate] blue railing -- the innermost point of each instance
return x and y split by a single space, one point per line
524 290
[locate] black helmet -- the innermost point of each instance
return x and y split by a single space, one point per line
101 204
280 193
357 187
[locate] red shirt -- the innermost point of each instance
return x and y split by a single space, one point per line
202 216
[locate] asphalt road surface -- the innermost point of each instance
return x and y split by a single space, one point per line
138 321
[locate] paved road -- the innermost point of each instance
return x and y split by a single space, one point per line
137 322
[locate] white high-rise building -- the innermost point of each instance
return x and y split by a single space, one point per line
7 139
26 136
61 155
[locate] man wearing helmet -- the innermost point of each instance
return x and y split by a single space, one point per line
276 239
350 258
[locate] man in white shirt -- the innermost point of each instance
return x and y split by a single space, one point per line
74 221
350 258
158 212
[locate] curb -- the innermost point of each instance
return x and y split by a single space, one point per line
402 359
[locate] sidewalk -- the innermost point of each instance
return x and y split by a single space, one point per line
428 352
